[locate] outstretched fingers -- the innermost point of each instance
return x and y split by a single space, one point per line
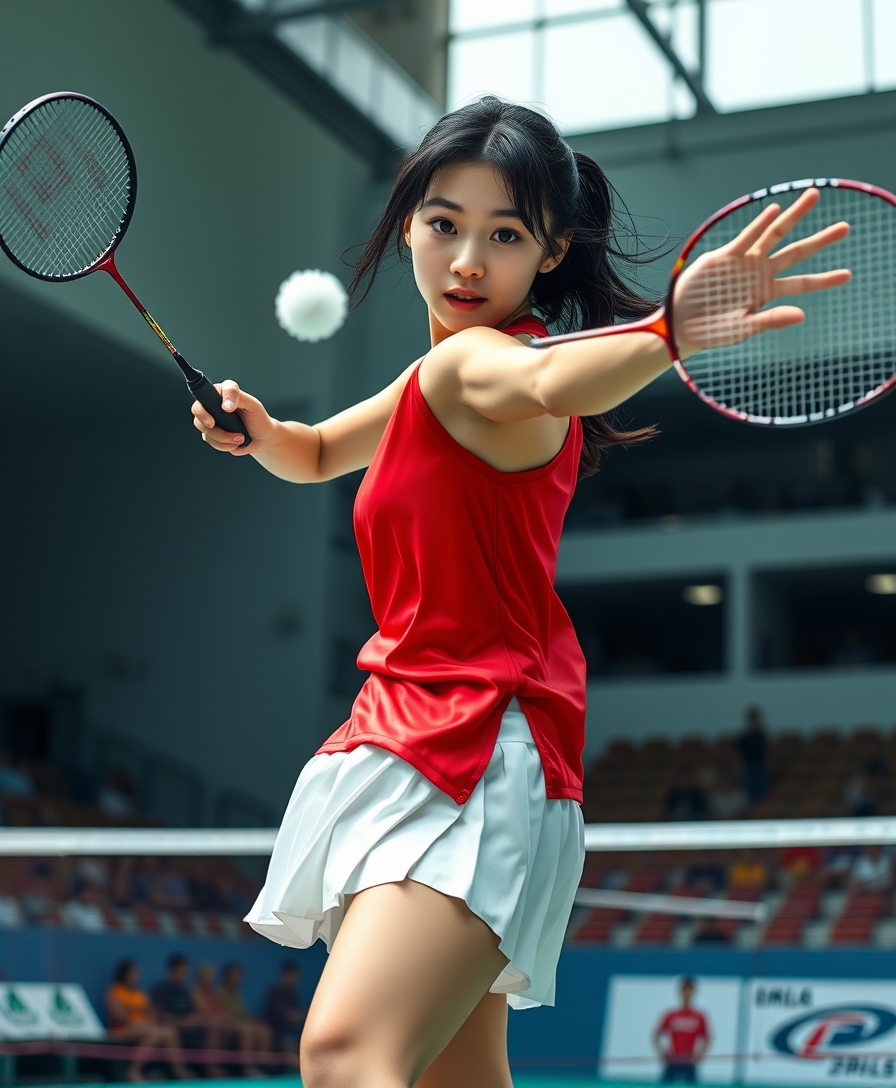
777 317
784 223
753 231
816 281
806 247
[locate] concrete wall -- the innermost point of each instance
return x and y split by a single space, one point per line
193 596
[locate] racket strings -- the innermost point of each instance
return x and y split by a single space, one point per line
842 353
65 188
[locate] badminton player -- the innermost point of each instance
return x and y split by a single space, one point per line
435 841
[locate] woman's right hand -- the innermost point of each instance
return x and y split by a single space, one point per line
259 424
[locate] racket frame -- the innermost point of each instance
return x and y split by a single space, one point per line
663 324
200 387
107 253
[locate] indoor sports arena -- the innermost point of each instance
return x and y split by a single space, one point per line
499 756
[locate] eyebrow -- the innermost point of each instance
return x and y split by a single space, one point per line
443 202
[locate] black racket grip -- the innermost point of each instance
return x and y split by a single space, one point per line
210 399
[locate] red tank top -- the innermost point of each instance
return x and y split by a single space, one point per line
459 560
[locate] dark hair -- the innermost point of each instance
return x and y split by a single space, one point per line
122 969
558 193
176 959
231 968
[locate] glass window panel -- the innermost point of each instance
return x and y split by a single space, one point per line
574 7
498 64
474 14
604 74
884 12
764 52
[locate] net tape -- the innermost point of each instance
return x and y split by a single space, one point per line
845 348
603 838
246 842
65 188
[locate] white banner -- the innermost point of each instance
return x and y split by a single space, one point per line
40 1010
639 1005
820 1032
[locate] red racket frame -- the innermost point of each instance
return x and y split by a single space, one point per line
663 324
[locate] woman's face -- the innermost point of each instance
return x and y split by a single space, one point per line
474 260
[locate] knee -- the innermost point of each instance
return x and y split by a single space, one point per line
329 1056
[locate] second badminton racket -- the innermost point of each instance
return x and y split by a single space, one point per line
67 188
841 357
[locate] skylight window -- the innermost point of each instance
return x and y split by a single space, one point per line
596 64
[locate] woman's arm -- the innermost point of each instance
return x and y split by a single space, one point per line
298 452
504 381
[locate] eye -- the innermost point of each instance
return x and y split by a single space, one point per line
505 234
442 226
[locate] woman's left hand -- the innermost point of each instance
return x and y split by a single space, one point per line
719 299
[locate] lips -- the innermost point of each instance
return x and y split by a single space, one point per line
464 300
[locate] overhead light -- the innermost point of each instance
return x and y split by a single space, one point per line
703 595
883 584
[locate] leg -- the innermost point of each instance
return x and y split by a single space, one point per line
407 968
477 1055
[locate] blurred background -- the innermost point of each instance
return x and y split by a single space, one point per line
179 630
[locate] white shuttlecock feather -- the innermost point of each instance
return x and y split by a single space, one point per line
311 305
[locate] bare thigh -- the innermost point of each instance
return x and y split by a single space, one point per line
477 1055
408 967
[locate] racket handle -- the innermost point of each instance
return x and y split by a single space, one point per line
210 399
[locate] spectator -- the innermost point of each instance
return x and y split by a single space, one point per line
282 1011
748 874
168 889
85 911
797 862
686 800
752 745
862 792
727 801
174 1005
708 932
14 778
251 1033
706 876
132 1021
118 797
209 1005
872 871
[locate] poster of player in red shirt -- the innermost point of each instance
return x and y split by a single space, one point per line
681 1038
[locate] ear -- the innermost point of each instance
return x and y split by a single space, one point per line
552 260
406 230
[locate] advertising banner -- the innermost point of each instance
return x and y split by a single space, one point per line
820 1032
693 1027
40 1010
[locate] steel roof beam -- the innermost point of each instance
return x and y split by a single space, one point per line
694 83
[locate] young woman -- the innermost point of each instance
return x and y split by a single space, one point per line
435 841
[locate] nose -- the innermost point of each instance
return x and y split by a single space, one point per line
467 262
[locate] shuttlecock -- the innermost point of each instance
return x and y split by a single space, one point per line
311 305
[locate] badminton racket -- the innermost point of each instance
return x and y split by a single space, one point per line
67 188
840 358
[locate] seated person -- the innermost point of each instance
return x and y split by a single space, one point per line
872 870
250 1032
282 1011
799 861
686 800
132 1021
727 800
174 1005
709 932
748 874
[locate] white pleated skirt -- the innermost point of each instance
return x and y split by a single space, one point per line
367 817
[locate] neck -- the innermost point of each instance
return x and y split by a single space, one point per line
438 332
